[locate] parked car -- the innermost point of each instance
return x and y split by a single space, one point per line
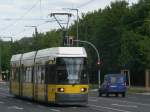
113 84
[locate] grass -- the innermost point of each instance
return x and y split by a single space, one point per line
137 90
93 86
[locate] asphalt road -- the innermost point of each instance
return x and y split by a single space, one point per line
132 103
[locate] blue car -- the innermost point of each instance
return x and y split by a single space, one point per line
113 84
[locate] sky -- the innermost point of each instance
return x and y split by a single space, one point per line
18 15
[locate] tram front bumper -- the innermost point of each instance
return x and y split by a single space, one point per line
64 98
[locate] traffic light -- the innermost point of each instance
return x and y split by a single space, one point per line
65 41
70 41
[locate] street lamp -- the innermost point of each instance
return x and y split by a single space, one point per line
77 10
98 58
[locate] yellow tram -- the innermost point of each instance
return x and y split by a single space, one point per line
53 75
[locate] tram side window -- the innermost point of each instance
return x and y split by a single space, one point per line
41 74
15 74
28 74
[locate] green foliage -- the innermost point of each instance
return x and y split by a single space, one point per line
120 32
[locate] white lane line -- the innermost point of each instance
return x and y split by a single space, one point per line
1 102
74 107
15 107
128 106
132 97
29 103
109 108
147 94
40 106
55 110
124 101
93 100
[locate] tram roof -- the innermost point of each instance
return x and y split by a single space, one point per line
29 55
16 57
62 52
51 52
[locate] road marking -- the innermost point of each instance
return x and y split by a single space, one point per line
29 103
1 102
93 100
15 107
128 106
124 101
55 110
132 97
109 108
147 94
40 106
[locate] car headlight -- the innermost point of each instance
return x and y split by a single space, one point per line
60 89
83 89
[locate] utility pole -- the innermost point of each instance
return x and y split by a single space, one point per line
77 10
98 58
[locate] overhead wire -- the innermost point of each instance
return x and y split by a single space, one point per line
12 24
33 6
25 19
36 26
84 4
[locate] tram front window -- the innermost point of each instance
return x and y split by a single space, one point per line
71 70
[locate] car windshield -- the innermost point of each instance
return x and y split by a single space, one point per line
114 80
71 70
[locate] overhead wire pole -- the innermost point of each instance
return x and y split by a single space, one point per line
98 58
40 9
65 29
58 22
77 10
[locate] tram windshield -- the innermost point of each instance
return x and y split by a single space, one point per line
71 70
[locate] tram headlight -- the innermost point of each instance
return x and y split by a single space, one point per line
83 89
60 89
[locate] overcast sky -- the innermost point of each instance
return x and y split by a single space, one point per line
16 14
